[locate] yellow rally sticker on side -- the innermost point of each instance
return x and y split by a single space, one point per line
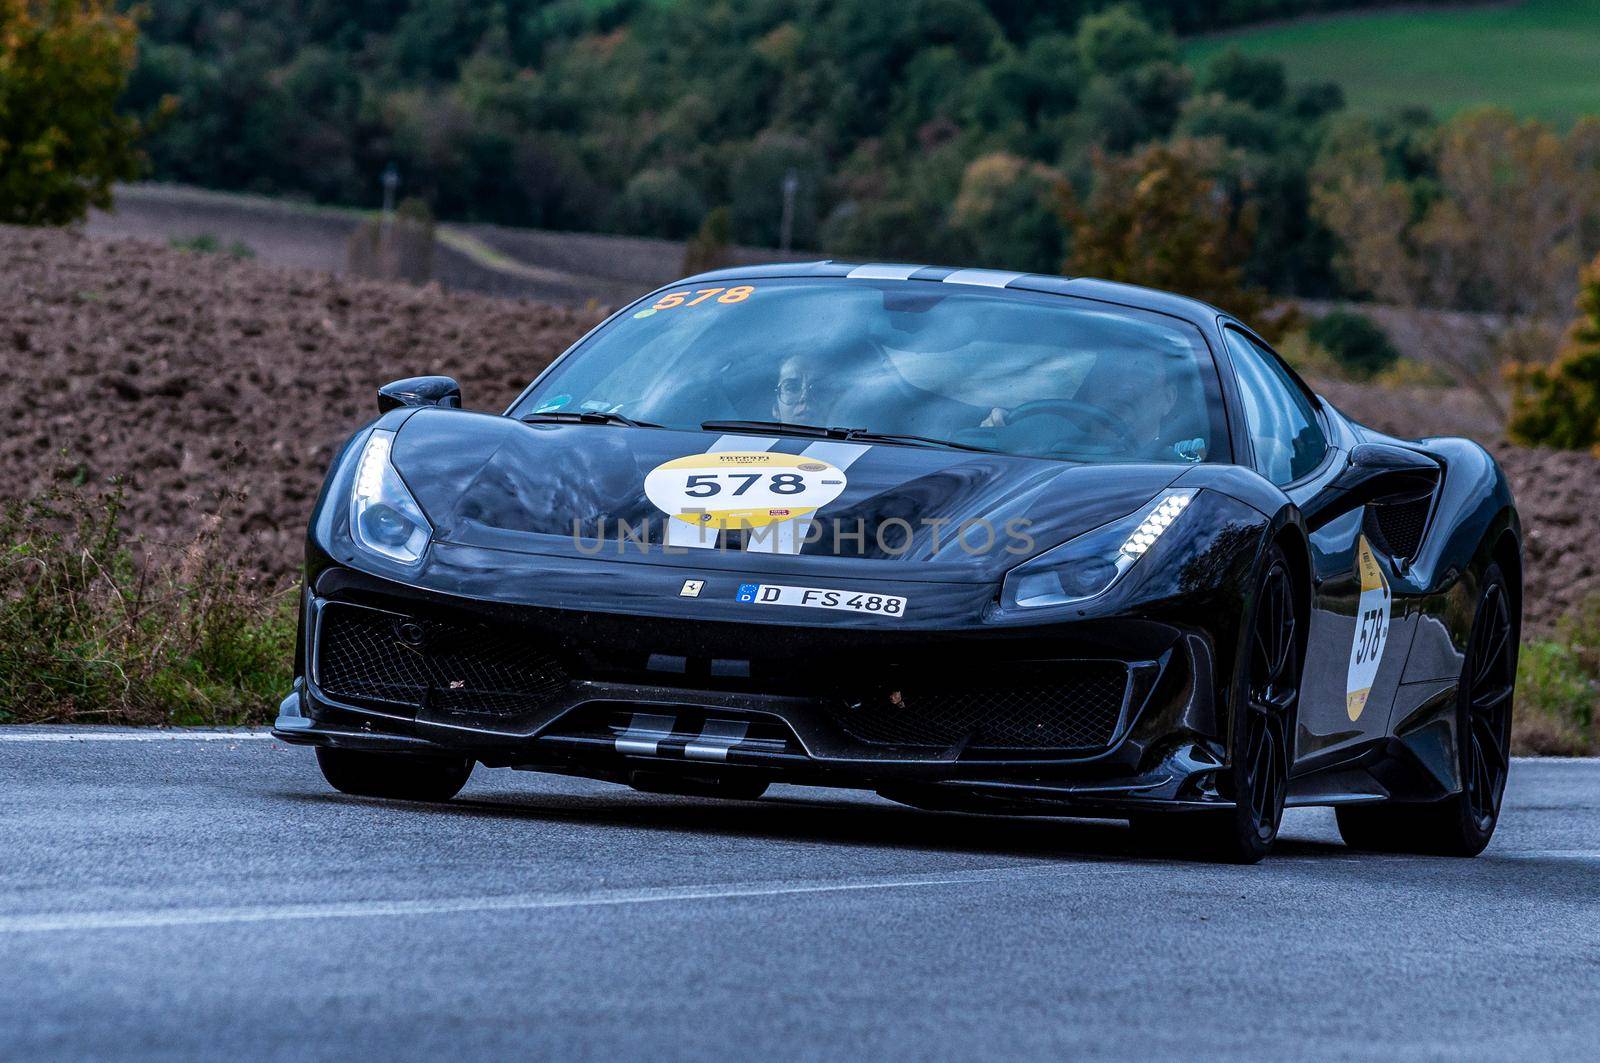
735 489
1372 631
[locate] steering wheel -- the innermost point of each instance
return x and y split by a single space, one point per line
1082 414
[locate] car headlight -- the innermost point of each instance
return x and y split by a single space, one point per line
384 518
1088 566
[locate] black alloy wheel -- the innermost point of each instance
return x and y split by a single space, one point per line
1261 751
1489 680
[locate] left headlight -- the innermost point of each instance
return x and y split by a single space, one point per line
384 518
1088 566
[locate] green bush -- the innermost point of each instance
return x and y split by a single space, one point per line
1559 405
208 244
94 630
708 249
201 243
1356 342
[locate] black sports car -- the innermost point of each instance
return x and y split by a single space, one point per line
975 540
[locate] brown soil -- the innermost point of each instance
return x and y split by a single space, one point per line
1557 492
182 372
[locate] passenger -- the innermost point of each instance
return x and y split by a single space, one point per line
1140 395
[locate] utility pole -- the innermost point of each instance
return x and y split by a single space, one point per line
791 186
391 181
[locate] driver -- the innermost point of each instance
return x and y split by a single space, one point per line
805 393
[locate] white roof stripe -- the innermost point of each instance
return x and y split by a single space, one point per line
882 272
838 454
988 278
742 443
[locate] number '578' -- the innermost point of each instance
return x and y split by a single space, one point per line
722 295
705 485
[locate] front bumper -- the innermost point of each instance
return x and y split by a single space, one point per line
637 693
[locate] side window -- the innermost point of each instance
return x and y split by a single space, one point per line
1283 427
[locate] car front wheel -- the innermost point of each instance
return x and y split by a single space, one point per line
397 776
1266 704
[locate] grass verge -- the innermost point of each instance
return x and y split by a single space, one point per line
97 629
1558 689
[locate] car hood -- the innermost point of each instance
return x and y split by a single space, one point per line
569 489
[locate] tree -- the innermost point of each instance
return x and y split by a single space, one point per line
1117 40
63 63
1497 230
1559 405
1355 341
1159 219
661 202
1260 83
1005 210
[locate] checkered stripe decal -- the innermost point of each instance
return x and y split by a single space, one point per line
649 734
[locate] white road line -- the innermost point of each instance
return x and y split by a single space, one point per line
1555 760
136 919
1542 854
135 736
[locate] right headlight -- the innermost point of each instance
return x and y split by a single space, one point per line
1088 566
384 518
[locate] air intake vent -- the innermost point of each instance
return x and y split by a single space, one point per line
1398 530
369 655
1070 705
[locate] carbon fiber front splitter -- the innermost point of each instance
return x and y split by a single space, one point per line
703 745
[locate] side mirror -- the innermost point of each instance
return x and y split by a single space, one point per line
1377 473
420 391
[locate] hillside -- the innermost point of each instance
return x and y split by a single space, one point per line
1537 57
186 373
566 268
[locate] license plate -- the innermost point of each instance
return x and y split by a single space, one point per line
822 598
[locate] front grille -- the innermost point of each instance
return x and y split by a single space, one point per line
1068 705
368 655
1398 530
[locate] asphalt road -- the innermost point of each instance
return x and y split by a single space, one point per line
213 899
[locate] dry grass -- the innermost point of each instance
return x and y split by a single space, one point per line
97 628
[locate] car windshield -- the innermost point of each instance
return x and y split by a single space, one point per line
1016 372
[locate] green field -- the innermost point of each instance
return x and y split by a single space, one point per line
1539 58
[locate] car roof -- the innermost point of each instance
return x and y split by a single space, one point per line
1086 287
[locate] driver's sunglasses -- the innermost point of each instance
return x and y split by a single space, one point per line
790 390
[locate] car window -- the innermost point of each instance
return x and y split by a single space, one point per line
1018 372
1289 444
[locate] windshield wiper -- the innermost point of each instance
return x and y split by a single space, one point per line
778 426
585 417
926 441
861 434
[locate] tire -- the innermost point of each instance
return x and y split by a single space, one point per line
396 776
1261 740
727 787
1463 823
